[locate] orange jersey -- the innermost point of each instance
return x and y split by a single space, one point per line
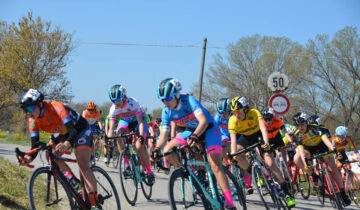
53 119
274 128
340 146
93 117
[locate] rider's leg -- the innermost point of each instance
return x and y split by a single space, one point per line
334 171
144 156
269 160
173 158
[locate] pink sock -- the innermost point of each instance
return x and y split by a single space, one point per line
127 163
165 164
228 198
148 169
247 181
227 162
193 169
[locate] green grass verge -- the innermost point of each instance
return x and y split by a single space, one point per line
12 140
13 192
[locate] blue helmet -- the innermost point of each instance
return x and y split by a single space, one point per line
290 129
168 88
341 131
223 105
116 93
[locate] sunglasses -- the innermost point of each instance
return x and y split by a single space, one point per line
239 111
30 109
167 99
91 110
268 119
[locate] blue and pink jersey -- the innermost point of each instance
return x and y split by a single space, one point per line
185 115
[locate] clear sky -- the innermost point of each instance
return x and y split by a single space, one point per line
94 68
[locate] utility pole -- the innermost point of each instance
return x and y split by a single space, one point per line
202 69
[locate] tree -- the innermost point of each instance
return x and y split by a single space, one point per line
33 54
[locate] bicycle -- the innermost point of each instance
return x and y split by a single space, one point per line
191 187
263 179
49 187
284 169
97 136
327 184
135 174
113 152
351 181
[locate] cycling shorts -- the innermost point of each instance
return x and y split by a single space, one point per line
320 148
130 126
84 139
277 141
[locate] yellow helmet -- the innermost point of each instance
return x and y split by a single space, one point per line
238 103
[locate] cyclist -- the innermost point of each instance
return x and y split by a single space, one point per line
128 109
107 130
200 128
275 127
222 119
311 140
93 116
68 129
250 124
340 141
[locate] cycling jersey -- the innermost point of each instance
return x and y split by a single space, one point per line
185 115
223 124
248 126
340 146
275 127
312 137
323 129
91 117
128 112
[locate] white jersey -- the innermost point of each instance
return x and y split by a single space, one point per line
128 112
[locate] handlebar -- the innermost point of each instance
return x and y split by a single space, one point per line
122 135
320 155
258 144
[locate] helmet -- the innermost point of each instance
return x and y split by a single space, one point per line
158 120
30 97
143 108
268 113
116 93
300 117
223 105
341 131
238 103
314 119
290 129
90 105
169 87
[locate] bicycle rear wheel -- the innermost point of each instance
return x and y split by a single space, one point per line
107 194
129 182
44 191
334 193
303 184
354 190
262 186
183 193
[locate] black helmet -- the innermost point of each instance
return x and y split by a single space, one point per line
300 117
30 97
314 119
268 113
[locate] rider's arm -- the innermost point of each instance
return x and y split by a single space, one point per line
286 134
173 129
202 126
327 142
141 125
233 143
111 127
72 134
162 139
264 131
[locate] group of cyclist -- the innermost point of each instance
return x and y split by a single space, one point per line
185 121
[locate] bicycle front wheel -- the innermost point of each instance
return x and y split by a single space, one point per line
107 194
46 191
145 186
354 190
115 158
183 193
334 193
128 179
263 187
236 189
303 184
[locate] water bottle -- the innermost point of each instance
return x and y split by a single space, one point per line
72 180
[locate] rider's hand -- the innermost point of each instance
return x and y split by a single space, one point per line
61 148
233 161
156 152
193 139
26 160
266 146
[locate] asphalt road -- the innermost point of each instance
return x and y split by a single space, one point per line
159 200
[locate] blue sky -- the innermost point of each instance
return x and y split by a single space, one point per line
93 69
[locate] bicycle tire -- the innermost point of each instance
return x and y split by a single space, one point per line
145 187
237 172
336 193
115 157
130 195
109 156
354 190
97 154
303 184
182 176
106 189
286 173
257 174
237 191
320 192
44 176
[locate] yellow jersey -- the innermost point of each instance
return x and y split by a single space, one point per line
248 126
311 138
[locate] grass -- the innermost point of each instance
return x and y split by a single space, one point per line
13 192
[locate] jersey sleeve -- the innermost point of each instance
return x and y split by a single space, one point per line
195 106
257 114
352 145
165 120
112 114
33 128
61 111
232 124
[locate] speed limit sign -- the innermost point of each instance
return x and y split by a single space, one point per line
278 81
